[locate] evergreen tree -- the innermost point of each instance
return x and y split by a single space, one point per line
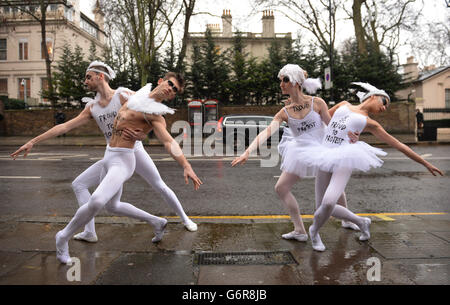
93 52
70 74
375 68
239 77
194 79
214 71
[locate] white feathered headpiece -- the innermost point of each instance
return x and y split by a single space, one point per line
297 76
111 74
140 101
371 90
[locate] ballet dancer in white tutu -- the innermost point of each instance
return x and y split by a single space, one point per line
336 159
305 116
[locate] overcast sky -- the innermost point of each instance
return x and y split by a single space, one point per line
246 20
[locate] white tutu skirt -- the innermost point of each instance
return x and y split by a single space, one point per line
358 156
287 136
290 161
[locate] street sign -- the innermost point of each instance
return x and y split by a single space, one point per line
328 82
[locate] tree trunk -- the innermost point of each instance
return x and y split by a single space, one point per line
359 30
189 10
48 63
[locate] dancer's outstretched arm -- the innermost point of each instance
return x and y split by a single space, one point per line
378 131
262 137
55 131
172 147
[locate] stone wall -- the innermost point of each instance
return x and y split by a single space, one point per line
400 118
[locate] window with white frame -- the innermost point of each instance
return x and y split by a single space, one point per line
23 49
85 25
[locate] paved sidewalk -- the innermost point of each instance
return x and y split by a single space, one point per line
410 249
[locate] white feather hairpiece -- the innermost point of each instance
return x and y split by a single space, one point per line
297 76
140 101
311 85
96 63
372 90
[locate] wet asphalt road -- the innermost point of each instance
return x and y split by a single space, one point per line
41 184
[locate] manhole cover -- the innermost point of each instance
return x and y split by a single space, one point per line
245 258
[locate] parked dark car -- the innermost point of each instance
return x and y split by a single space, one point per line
241 129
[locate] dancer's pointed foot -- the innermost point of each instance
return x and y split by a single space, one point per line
316 240
190 225
365 232
159 230
296 236
86 236
62 250
349 225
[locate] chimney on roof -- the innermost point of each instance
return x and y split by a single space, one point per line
268 22
410 70
227 24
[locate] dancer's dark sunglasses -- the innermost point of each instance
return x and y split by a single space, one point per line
174 88
286 79
385 101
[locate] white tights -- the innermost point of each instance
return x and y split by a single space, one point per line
329 187
283 189
118 165
145 167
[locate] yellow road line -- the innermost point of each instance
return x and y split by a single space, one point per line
383 216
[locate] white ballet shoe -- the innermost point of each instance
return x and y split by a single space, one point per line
190 225
296 236
316 241
86 236
349 225
365 232
62 251
159 231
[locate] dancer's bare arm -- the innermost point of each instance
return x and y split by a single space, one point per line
172 147
378 131
133 134
55 131
262 137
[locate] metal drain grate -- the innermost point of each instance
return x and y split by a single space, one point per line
245 258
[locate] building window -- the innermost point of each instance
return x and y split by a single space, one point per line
44 86
68 12
52 7
85 25
447 98
3 49
3 86
49 45
24 83
23 49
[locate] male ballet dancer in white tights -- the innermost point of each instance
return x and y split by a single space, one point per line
103 109
140 112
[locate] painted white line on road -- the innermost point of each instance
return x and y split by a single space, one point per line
20 177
